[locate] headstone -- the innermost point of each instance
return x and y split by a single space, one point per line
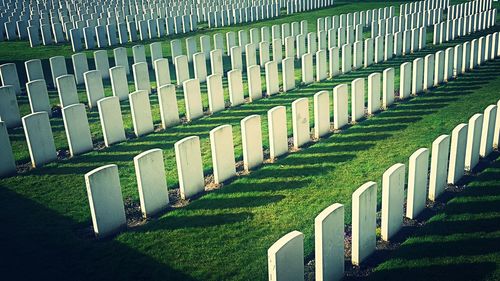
417 182
80 66
181 69
438 68
34 70
417 76
169 110
7 162
140 109
105 200
77 129
216 62
66 88
102 63
457 153
488 130
300 122
374 92
329 243
215 93
39 138
346 58
285 258
38 96
9 109
200 67
251 139
340 106
189 166
334 64
428 72
236 60
251 58
151 182
93 87
368 52
254 83
156 52
57 68
439 166
473 141
119 83
393 194
307 69
357 99
272 79
321 114
121 59
405 80
192 98
321 65
235 84
222 147
110 115
141 77
278 135
364 222
162 72
388 87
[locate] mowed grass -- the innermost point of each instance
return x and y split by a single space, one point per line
462 242
225 233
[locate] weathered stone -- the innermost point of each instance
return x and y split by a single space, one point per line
278 135
321 114
34 70
77 129
272 79
457 153
192 98
141 77
307 69
393 195
105 200
39 138
66 88
439 166
300 122
110 115
102 63
364 222
329 243
151 182
189 166
286 258
93 87
57 68
251 139
162 72
141 113
181 69
169 110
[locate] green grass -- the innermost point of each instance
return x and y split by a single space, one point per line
460 243
224 234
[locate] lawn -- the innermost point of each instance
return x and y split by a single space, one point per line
225 233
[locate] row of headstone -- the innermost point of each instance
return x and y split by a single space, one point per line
449 66
234 16
451 29
296 6
468 8
450 157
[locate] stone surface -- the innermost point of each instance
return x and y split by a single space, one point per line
39 138
428 71
57 68
216 65
488 130
9 76
77 129
9 109
181 69
417 182
393 195
277 128
110 115
254 83
457 153
93 87
388 87
405 78
321 65
357 99
417 84
169 110
151 182
346 58
340 106
251 139
80 66
329 243
119 83
7 162
307 69
374 92
162 72
334 65
189 166
235 84
140 109
200 67
38 96
439 166
215 90
300 122
321 114
285 258
66 88
288 72
102 63
222 147
272 78
473 141
192 99
105 200
364 222
141 77
34 70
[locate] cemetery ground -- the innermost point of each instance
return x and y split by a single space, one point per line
225 233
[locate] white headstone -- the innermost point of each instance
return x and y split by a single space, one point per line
102 63
9 109
300 122
57 68
278 135
272 79
39 138
418 170
38 96
141 77
254 83
307 69
340 106
235 84
9 76
405 80
141 113
162 72
189 166
169 110
388 87
105 200
288 73
151 181
7 162
329 243
357 99
393 194
110 115
473 141
251 138
374 80
488 130
285 258
222 147
457 153
77 129
439 166
364 222
181 69
192 98
66 88
93 87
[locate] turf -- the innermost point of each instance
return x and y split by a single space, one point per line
460 243
225 233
